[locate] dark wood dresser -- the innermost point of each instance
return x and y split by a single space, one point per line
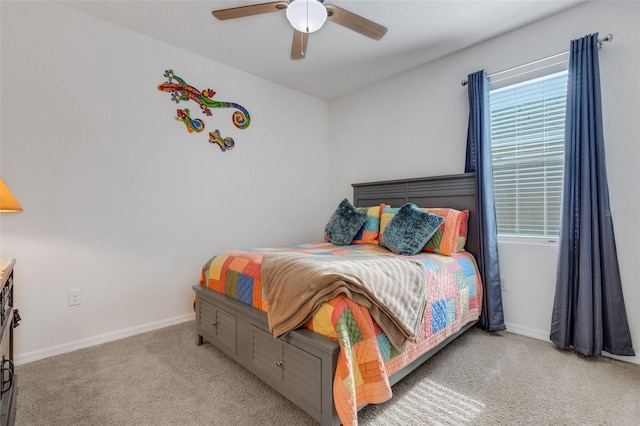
10 318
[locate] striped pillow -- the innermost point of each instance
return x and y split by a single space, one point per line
445 240
462 235
387 214
370 231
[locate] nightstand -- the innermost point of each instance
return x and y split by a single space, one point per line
10 319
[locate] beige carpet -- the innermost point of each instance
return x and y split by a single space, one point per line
162 378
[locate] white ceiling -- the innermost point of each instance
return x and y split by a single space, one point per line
338 60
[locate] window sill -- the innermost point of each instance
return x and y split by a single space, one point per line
530 241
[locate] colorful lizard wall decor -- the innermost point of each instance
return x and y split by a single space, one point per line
193 125
181 91
225 144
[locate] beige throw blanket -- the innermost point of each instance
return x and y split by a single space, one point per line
392 288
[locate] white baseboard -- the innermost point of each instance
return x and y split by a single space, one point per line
36 355
544 335
631 359
526 331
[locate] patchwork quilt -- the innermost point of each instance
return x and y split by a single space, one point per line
366 356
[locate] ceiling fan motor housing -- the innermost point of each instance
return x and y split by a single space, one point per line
306 16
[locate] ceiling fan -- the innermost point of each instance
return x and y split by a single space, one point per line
307 16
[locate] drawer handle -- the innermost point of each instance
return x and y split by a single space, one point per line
16 318
9 369
279 364
214 323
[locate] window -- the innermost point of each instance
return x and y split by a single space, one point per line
527 139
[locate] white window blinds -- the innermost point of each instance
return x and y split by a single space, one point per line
527 138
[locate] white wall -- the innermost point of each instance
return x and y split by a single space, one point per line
123 203
119 200
415 125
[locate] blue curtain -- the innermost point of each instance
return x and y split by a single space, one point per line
478 160
588 311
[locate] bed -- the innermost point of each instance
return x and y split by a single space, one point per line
305 365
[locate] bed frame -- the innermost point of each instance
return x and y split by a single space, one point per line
301 364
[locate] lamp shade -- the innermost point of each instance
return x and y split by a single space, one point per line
8 203
306 16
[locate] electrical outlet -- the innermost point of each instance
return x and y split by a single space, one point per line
504 283
75 297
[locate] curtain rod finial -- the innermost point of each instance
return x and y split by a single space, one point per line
607 38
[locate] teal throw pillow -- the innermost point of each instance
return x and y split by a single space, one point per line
409 230
345 223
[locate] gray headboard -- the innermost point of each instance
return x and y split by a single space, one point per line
454 191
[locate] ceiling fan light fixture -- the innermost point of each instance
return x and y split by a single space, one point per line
306 16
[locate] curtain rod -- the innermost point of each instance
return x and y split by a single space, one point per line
606 38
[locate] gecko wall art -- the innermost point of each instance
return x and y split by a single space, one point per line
193 125
181 91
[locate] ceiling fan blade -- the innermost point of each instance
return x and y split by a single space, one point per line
355 22
299 45
254 9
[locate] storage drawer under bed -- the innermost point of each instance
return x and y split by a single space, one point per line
299 365
295 373
218 326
